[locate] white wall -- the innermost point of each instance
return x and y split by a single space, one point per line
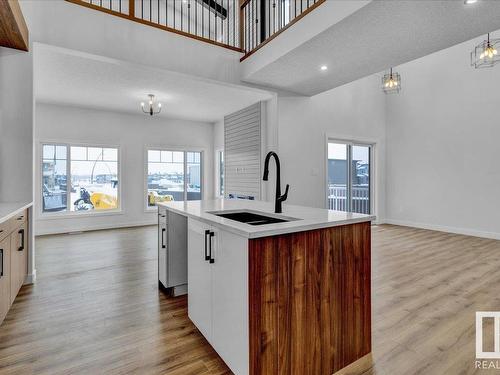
443 133
63 24
16 125
132 133
355 111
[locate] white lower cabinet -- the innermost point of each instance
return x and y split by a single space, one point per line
218 291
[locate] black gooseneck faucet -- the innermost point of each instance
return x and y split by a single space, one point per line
279 198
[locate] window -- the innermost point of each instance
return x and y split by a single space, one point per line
220 173
92 173
349 177
173 176
54 178
94 178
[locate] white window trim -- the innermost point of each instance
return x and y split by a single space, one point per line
217 173
73 214
184 149
373 169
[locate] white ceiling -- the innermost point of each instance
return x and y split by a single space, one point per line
374 38
68 77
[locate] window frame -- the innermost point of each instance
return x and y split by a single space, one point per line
68 212
183 149
372 155
218 173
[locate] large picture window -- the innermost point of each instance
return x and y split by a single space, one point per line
79 178
173 176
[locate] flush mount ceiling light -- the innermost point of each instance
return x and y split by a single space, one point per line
324 67
485 55
150 109
391 83
468 2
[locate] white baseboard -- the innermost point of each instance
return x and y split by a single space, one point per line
30 278
87 228
444 228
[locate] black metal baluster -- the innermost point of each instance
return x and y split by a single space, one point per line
166 13
202 21
142 9
234 23
182 15
120 6
174 15
189 16
158 10
196 18
209 22
150 10
215 22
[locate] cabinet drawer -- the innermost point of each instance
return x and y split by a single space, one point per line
18 220
5 229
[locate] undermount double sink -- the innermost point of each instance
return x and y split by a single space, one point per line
252 217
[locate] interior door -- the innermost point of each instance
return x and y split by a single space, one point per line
199 277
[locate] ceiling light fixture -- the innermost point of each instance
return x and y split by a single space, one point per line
391 83
485 55
469 2
324 67
151 106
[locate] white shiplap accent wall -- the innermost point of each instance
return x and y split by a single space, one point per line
242 152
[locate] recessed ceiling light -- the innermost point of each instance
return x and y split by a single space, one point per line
324 67
468 2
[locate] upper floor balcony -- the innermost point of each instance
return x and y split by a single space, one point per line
241 25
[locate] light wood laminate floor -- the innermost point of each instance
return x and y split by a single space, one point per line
96 308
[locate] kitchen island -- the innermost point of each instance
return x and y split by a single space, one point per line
279 293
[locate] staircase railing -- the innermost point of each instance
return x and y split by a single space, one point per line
212 21
263 20
241 25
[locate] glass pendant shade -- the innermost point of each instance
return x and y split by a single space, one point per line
486 54
391 83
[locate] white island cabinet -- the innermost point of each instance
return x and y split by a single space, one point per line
218 291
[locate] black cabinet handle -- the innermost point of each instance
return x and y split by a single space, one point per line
163 230
212 260
207 233
1 262
21 232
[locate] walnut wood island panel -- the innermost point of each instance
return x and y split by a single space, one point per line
309 296
282 298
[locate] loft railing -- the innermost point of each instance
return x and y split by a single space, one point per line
241 25
263 20
212 21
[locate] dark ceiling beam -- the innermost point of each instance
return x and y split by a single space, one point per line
214 7
13 29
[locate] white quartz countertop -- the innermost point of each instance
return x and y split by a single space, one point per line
308 218
10 209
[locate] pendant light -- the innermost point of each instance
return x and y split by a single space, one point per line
391 82
150 109
486 55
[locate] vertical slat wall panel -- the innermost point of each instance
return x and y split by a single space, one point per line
242 152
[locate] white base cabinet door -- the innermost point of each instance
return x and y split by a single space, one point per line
218 291
230 301
199 278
